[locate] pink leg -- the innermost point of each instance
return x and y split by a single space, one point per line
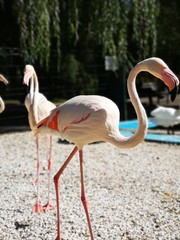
56 182
48 205
37 181
37 207
83 196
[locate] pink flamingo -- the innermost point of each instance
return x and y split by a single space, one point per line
87 119
38 108
2 105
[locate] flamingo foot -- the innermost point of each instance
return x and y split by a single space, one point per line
47 206
37 207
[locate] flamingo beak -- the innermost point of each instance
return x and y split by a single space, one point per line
26 80
6 81
174 92
171 81
28 74
3 79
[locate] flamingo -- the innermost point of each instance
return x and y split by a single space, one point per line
38 108
2 105
86 119
166 117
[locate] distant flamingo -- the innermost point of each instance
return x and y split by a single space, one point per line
2 105
38 108
87 119
166 117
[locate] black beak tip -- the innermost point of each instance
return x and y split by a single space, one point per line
174 92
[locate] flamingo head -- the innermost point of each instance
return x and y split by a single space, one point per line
3 79
171 81
159 69
28 73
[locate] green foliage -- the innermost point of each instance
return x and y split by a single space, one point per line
168 33
34 19
69 22
106 20
111 21
75 78
69 69
144 26
105 23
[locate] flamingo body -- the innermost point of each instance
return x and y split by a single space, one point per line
85 119
41 109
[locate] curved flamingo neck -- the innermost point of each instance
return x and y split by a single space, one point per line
129 142
34 90
36 84
139 109
34 87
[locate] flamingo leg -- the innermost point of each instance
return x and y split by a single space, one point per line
48 205
83 195
37 181
56 182
37 207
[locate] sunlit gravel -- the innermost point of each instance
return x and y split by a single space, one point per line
133 194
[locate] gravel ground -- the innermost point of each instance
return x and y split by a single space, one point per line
133 194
